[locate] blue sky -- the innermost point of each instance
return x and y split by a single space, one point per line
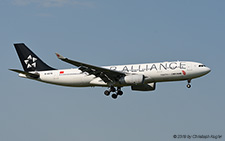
104 33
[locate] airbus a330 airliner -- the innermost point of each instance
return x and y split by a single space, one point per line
141 77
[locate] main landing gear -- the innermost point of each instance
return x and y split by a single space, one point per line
189 85
113 89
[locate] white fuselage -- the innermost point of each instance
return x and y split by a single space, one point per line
153 72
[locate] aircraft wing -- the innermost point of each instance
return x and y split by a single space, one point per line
106 75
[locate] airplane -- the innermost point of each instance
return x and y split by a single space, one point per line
140 77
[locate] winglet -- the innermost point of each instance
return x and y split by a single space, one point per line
60 56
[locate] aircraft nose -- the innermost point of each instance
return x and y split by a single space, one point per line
207 70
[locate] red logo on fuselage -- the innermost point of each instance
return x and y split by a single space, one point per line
184 73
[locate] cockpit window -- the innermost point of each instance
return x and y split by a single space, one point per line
201 66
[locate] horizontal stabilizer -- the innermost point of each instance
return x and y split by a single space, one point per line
32 75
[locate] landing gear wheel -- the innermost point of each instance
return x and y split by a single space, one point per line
188 85
120 93
107 93
114 96
112 89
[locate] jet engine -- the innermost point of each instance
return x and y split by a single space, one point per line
144 87
132 79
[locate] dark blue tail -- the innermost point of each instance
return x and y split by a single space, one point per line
29 60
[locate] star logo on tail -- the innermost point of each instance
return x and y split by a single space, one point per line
30 62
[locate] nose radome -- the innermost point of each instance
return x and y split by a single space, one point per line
207 70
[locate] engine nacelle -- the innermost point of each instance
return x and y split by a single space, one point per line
144 87
132 79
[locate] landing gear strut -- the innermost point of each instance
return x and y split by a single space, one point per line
189 85
113 89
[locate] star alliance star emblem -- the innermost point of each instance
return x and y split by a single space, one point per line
31 62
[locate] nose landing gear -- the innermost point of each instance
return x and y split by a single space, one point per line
189 85
112 89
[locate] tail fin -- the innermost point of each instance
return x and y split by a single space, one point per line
29 60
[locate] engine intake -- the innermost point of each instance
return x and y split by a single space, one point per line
132 79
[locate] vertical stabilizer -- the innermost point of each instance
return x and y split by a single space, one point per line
29 60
